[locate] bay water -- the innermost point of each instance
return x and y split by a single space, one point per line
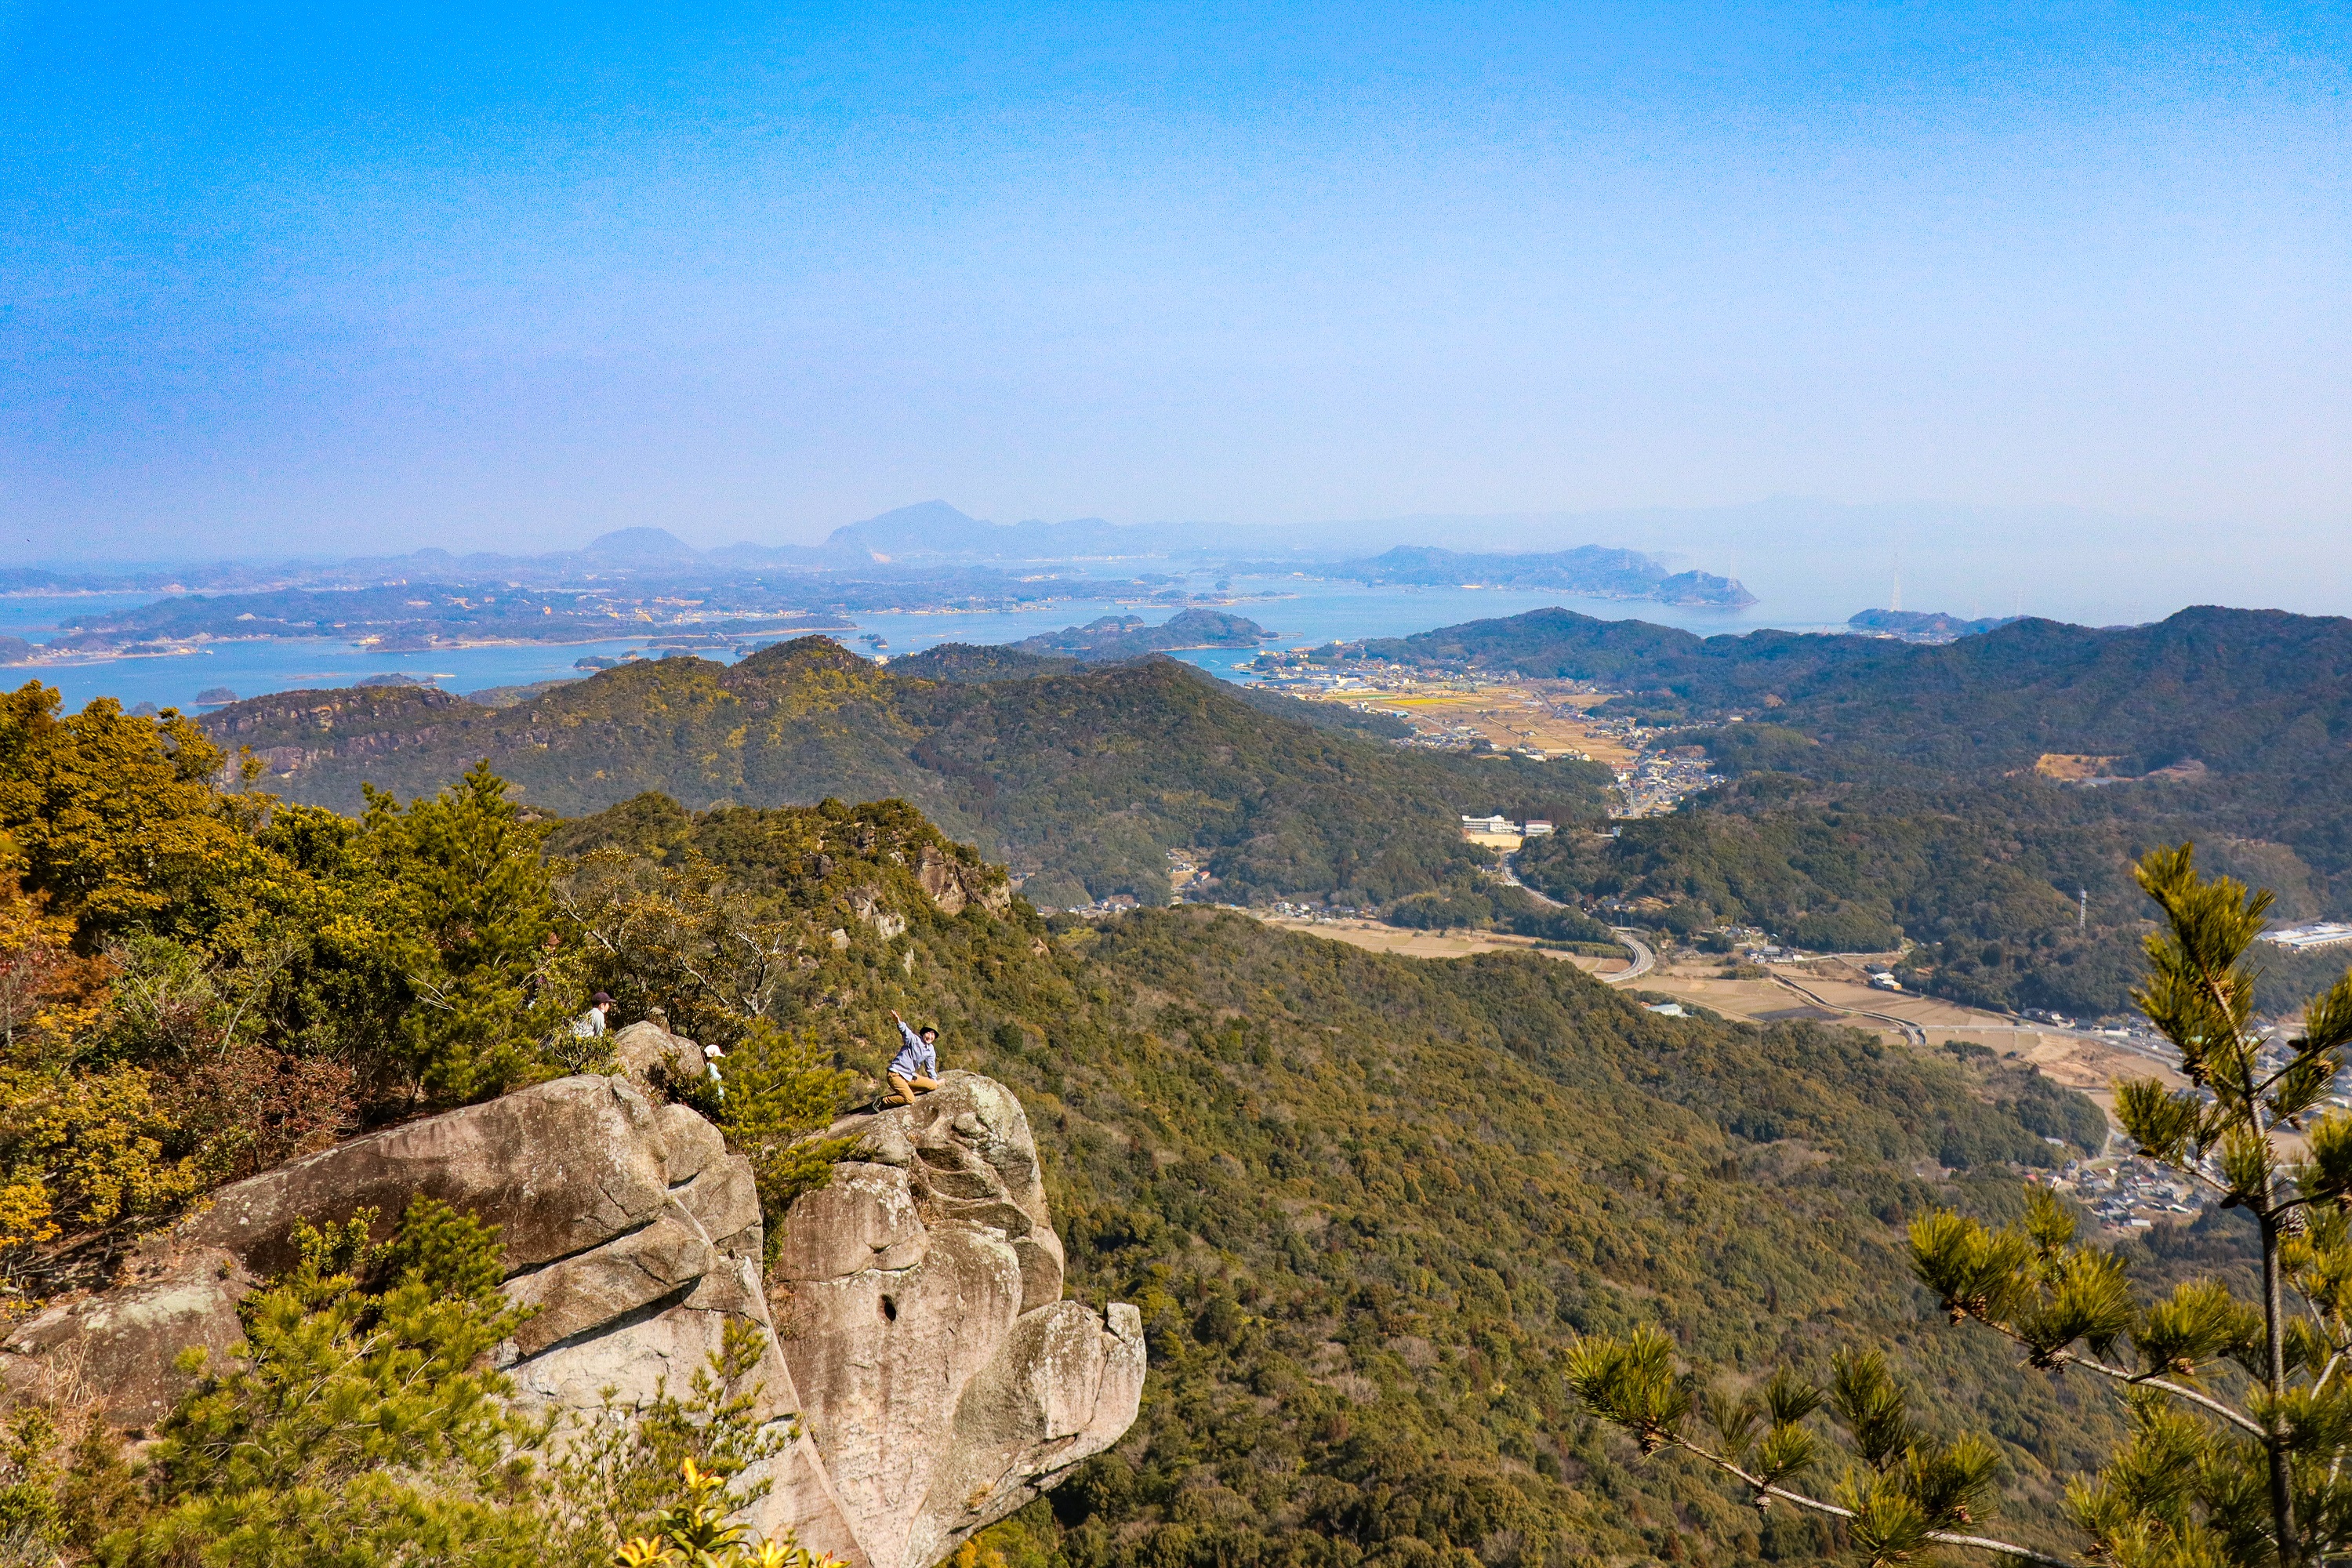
1302 611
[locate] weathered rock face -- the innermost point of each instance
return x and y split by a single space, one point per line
937 1377
121 1346
920 1296
953 885
645 1053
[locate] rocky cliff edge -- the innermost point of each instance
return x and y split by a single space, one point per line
914 1323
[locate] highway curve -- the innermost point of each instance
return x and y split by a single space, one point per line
1644 960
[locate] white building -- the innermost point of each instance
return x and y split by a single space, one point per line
2303 938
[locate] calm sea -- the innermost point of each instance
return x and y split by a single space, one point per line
1304 612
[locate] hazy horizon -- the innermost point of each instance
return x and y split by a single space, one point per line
1813 562
298 284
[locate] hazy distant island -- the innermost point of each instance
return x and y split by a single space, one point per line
1125 636
404 617
1592 571
1925 626
645 583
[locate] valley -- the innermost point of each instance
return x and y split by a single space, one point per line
1838 992
1373 936
1368 1153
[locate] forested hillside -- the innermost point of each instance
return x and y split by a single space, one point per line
1080 779
1365 1201
1125 636
1883 790
2241 690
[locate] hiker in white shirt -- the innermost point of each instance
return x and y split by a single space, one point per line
915 1069
590 1023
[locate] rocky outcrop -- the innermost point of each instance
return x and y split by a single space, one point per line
955 885
121 1346
649 1056
934 1376
919 1295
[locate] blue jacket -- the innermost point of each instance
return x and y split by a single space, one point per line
916 1059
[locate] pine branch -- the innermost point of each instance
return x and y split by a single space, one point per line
1764 1488
2179 1390
2141 1380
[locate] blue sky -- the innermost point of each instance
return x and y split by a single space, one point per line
281 279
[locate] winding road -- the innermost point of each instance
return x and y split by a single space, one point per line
1912 1032
1644 960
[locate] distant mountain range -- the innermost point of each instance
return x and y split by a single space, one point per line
1880 791
1877 789
934 530
929 539
2251 691
1082 776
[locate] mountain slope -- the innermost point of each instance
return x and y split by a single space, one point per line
1086 778
2244 690
1364 1201
1125 636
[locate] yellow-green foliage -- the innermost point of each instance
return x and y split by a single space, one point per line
196 982
83 1145
113 818
695 1532
357 1423
2238 1424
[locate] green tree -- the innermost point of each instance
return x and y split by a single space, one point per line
619 1470
357 1425
115 818
463 912
780 1086
1904 1492
684 937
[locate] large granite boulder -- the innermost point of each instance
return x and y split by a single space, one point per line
943 1377
649 1056
948 1381
121 1346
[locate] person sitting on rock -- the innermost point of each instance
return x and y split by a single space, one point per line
590 1023
915 1069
